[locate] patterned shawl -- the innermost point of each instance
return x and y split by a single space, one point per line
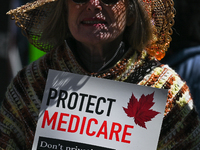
20 108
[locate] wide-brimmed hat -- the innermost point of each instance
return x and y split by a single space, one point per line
31 16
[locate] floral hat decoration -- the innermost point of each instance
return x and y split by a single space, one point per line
31 17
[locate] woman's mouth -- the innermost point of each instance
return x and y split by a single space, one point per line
93 22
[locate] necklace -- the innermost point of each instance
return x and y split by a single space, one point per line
119 72
120 50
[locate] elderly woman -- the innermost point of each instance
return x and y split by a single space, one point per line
119 40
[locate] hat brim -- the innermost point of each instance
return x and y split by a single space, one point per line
31 17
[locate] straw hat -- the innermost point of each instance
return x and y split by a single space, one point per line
31 16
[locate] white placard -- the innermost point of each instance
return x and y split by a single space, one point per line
87 113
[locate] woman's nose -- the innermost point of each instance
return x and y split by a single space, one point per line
94 5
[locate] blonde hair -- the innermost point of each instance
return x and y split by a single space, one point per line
136 35
55 28
140 32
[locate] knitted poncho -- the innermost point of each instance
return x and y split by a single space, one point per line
20 108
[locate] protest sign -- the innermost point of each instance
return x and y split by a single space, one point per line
87 113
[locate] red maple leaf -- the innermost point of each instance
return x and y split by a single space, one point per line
140 110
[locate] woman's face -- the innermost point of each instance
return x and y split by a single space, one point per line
95 23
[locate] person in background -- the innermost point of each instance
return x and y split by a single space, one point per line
184 52
119 40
